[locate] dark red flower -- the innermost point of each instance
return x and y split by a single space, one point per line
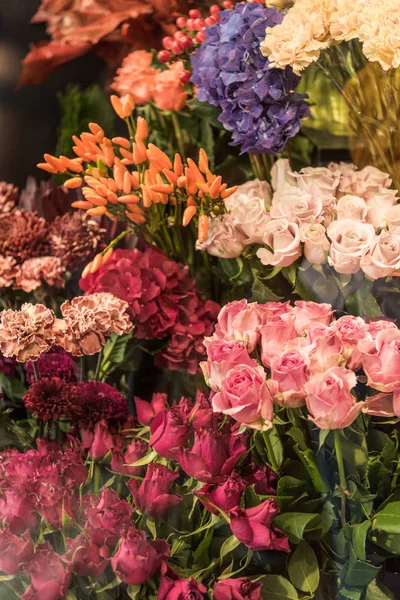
108 518
169 429
146 411
100 401
14 551
88 558
52 364
225 496
102 442
152 495
237 589
120 463
53 399
7 365
172 587
253 527
50 575
263 478
23 235
138 559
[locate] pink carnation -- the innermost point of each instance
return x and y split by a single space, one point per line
36 271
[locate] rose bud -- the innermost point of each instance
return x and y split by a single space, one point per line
152 496
169 429
173 588
237 589
146 411
121 463
14 551
87 557
103 441
109 519
138 559
253 527
263 478
50 575
225 496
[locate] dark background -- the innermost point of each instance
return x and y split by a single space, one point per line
30 117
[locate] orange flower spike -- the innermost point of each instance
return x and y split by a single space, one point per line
162 188
135 180
73 165
203 187
73 183
224 195
142 129
82 204
178 166
171 176
117 105
97 263
127 184
112 197
195 170
139 152
191 201
188 215
120 141
87 270
129 199
118 177
215 187
202 229
46 167
154 153
147 201
182 181
203 161
97 211
55 162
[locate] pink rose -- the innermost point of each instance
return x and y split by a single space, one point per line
251 189
169 92
146 411
315 179
329 399
172 587
377 325
225 496
383 257
297 206
378 207
326 348
254 528
283 239
381 360
240 588
88 558
246 397
239 321
249 215
275 334
352 207
310 312
225 239
290 371
169 429
222 357
350 240
152 496
381 405
352 330
316 244
50 574
393 217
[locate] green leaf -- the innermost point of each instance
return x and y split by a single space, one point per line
7 577
13 388
109 586
262 294
145 460
308 459
388 519
351 593
294 524
70 595
378 592
276 445
228 546
133 591
204 545
362 303
152 527
359 536
323 434
115 349
358 572
276 587
303 568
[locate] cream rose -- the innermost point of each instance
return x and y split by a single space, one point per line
283 239
297 206
383 258
352 207
350 240
316 244
224 239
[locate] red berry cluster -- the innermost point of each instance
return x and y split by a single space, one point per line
191 33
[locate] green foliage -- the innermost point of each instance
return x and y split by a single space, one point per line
276 587
303 568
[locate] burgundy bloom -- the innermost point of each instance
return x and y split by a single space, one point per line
121 463
138 559
100 401
263 478
237 589
213 455
52 364
253 527
53 398
88 558
108 519
146 411
53 501
169 429
14 551
225 496
7 365
102 442
50 575
152 495
23 235
172 587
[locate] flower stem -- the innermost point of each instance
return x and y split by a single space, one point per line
98 365
36 371
81 368
342 475
178 134
270 450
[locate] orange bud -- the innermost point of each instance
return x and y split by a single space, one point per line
129 199
120 141
203 161
162 188
147 201
109 155
95 129
171 176
191 201
194 168
188 215
112 186
127 155
135 180
192 188
54 162
178 166
210 177
111 217
134 208
97 200
101 190
72 165
202 229
97 263
86 270
73 183
107 255
229 192
159 157
97 211
142 129
204 187
215 187
118 177
139 152
82 204
127 183
117 105
182 181
112 197
164 199
138 219
46 167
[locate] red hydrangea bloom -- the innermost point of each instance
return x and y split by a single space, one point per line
163 302
53 398
100 401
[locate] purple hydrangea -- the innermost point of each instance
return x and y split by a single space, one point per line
258 103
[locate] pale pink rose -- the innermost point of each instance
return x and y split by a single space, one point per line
306 313
251 189
283 239
352 207
329 399
169 92
317 180
224 239
290 371
377 325
381 405
326 348
275 334
222 357
352 330
239 321
381 360
249 215
281 174
316 244
350 240
269 310
393 217
365 183
297 206
383 258
379 206
246 397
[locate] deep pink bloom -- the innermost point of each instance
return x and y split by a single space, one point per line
14 551
138 559
253 527
222 357
263 478
120 463
169 429
17 509
146 411
103 441
225 496
152 495
172 587
50 575
108 518
237 589
88 558
53 399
